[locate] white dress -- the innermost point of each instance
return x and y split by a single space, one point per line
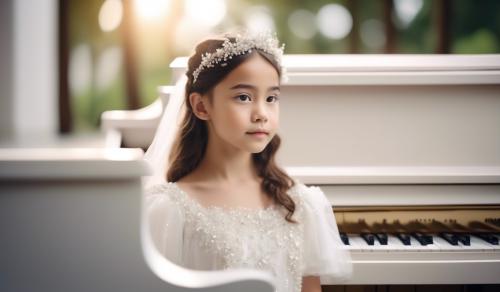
212 238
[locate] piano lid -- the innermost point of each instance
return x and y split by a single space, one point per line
350 175
403 186
71 163
383 69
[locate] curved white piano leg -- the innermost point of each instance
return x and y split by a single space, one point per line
84 234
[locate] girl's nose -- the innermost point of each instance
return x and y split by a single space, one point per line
259 113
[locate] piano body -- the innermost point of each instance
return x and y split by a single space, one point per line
402 144
407 149
71 220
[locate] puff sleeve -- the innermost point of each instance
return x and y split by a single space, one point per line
166 223
324 253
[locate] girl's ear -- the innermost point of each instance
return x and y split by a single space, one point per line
198 105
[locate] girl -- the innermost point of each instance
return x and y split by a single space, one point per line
223 202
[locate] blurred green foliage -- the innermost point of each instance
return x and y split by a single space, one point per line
475 29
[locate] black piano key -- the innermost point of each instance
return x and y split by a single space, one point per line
420 239
449 237
420 232
423 239
464 239
344 238
489 238
428 239
405 238
369 238
382 238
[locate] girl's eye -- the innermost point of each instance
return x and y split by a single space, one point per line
243 97
273 98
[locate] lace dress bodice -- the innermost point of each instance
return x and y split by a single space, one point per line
213 238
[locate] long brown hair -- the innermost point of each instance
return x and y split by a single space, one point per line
191 141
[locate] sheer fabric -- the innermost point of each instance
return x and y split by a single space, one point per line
211 238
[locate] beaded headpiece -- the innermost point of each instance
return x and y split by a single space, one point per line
242 44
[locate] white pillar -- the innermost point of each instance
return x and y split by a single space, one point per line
6 68
34 100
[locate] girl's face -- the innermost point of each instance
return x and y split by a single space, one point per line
244 113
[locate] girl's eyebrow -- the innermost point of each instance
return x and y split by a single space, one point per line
251 87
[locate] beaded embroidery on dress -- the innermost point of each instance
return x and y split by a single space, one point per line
212 238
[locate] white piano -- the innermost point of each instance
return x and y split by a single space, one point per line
407 149
71 220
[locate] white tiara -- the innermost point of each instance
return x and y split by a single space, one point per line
241 45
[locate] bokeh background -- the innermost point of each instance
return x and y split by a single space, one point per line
113 54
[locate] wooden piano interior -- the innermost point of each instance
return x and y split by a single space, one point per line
407 149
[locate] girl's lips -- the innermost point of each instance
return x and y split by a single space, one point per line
258 134
259 131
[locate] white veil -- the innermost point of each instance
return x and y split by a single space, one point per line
159 150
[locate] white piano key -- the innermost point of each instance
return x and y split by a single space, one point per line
417 246
445 245
376 246
358 243
393 243
489 245
477 243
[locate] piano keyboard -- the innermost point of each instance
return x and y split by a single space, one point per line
421 252
358 243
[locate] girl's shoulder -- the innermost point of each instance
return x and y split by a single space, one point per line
166 191
309 197
165 188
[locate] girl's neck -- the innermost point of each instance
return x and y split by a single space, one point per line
227 168
227 165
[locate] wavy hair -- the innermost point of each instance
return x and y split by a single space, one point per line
193 131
